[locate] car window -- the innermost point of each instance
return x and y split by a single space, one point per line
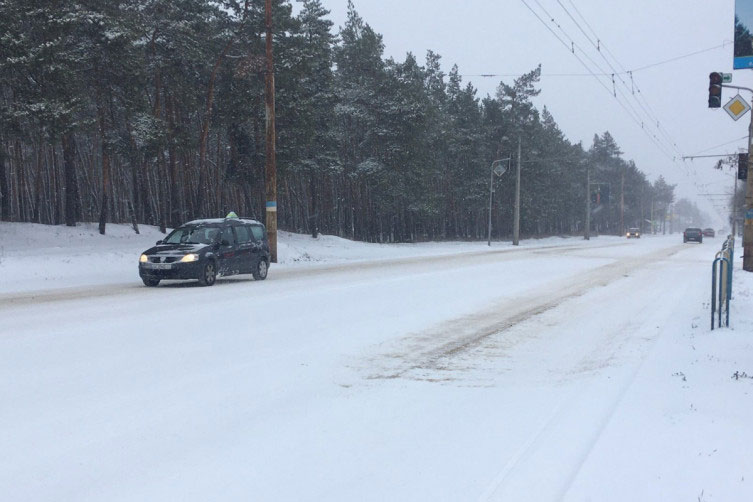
243 234
192 235
258 232
228 235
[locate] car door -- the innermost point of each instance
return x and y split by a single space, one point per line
246 254
227 253
261 246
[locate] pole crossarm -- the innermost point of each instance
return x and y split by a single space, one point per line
738 87
691 157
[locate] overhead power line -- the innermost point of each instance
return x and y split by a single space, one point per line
633 88
677 58
624 72
617 94
717 146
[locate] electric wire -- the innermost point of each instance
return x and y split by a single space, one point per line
623 72
632 114
652 65
717 146
635 113
633 87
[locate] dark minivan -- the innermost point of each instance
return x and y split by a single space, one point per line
692 234
206 249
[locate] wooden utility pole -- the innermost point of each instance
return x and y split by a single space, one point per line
516 217
270 164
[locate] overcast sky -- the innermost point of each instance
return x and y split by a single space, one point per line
504 37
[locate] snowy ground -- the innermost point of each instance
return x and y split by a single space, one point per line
560 370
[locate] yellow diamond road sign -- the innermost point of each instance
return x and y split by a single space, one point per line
737 107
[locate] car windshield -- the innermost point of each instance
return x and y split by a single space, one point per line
193 234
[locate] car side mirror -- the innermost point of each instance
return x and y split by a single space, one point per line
159 242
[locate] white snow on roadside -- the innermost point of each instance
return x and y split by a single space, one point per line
683 430
37 257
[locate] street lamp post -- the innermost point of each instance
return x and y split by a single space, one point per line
499 169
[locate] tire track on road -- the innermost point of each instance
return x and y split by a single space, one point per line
430 350
567 416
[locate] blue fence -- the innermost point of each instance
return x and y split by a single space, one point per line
721 289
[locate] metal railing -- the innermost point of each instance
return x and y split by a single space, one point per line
722 293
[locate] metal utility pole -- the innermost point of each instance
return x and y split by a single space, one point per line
491 193
499 171
748 222
734 206
516 217
622 201
748 216
671 219
270 163
587 229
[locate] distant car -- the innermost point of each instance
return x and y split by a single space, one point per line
207 249
633 232
692 234
708 232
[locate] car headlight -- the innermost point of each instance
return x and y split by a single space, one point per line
189 258
143 258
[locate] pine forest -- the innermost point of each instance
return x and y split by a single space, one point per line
152 112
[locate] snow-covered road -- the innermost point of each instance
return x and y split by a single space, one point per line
544 373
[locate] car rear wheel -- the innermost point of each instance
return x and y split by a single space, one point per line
260 273
148 281
208 273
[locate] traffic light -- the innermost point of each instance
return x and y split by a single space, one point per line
742 166
605 194
715 89
595 198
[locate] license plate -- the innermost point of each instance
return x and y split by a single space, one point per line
159 266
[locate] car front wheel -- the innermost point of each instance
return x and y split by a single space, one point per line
148 281
208 273
260 273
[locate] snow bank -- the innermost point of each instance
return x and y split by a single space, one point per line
35 257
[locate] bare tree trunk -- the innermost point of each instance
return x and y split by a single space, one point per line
105 187
55 186
4 188
176 210
314 216
156 112
161 196
72 201
203 139
21 182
